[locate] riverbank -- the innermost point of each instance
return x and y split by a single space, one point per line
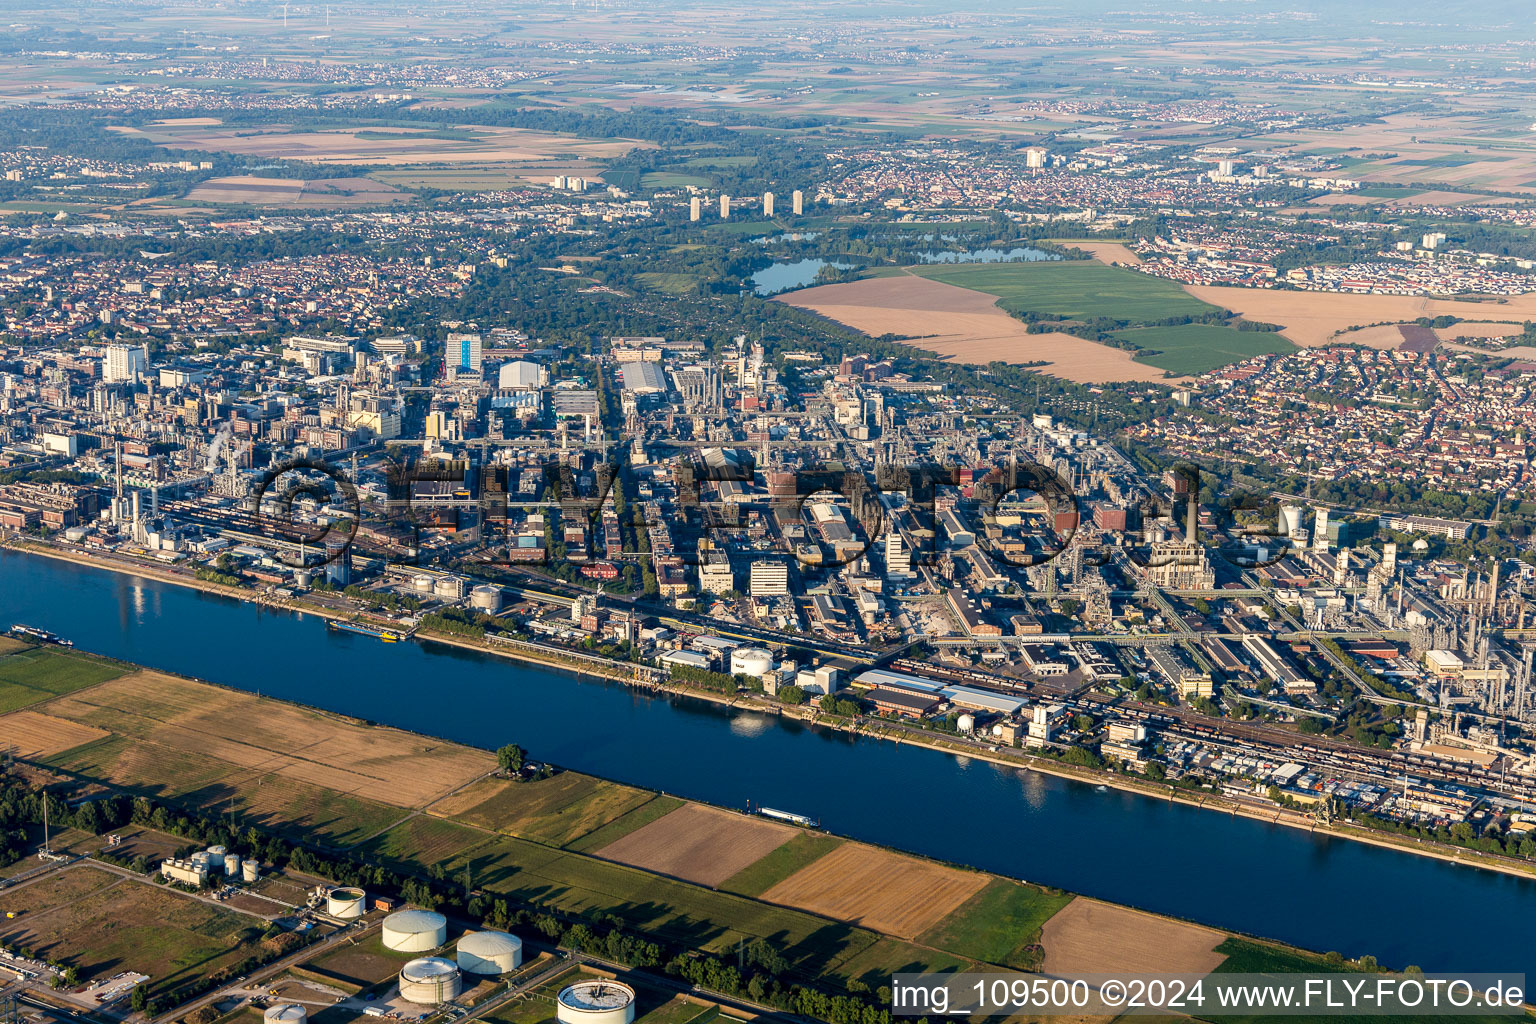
627 673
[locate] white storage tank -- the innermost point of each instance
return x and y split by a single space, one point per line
286 1013
232 865
489 953
250 870
216 856
430 981
486 599
450 587
422 584
346 903
415 931
966 723
596 1002
751 661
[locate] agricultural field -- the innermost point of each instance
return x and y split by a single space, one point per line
294 192
1090 937
656 807
998 923
32 734
699 844
763 874
1311 319
381 146
880 889
1196 348
672 910
1071 289
422 840
670 283
556 810
966 326
256 739
104 924
30 675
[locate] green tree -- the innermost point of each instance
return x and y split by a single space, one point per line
510 757
791 695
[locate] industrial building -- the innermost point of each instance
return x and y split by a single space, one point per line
415 931
430 980
596 1002
489 953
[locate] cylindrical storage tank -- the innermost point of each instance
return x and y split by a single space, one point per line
486 599
997 731
596 1002
348 904
216 856
303 577
490 953
430 980
751 661
232 865
286 1013
966 723
451 587
422 584
415 931
250 870
200 859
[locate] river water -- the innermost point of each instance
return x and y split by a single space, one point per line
1231 872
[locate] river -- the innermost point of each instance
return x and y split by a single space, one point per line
1217 869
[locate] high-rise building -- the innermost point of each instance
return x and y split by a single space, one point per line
1034 158
898 559
693 208
1225 168
767 204
725 207
796 201
464 351
125 362
1320 531
769 579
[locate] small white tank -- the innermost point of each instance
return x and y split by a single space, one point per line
966 723
346 903
285 1013
232 865
250 870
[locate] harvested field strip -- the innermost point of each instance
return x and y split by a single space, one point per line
641 816
764 874
1090 937
266 736
698 843
33 734
879 889
999 923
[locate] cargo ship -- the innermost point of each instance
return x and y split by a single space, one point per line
389 636
803 820
39 636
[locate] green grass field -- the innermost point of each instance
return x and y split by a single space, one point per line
32 675
756 879
554 811
996 923
671 284
1072 289
1196 348
423 840
673 179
